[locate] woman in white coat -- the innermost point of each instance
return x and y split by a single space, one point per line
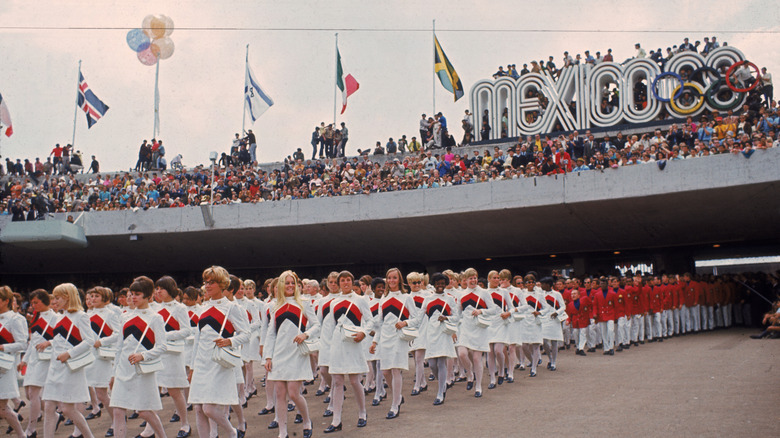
531 306
292 322
552 328
141 343
220 325
73 340
500 330
106 325
396 311
441 310
251 351
173 376
37 367
472 332
418 294
351 319
13 340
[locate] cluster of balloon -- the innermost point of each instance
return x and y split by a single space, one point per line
152 41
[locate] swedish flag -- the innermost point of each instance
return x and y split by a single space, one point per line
446 72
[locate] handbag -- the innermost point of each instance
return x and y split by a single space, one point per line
449 327
7 361
517 316
349 331
562 317
227 357
77 363
147 366
308 346
45 355
407 333
482 321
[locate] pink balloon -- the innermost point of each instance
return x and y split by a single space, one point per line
147 57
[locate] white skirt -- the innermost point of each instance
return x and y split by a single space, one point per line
36 371
99 372
173 374
9 386
140 393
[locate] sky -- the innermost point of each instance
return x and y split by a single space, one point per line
387 46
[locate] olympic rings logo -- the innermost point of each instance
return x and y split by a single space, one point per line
694 94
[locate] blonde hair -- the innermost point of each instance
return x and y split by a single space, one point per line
414 276
280 297
453 276
250 284
218 274
470 272
6 294
505 274
69 292
401 285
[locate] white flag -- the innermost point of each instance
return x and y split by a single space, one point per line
257 100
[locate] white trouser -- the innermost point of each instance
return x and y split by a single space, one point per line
710 317
594 335
637 324
685 319
566 333
622 331
726 315
696 316
669 322
580 337
607 334
658 325
649 320
676 313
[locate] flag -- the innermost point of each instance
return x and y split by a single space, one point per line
347 84
87 101
5 118
256 98
446 72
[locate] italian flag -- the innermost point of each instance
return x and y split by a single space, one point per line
347 84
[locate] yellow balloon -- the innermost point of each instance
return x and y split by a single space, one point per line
158 27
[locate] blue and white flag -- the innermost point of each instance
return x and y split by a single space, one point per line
257 100
87 101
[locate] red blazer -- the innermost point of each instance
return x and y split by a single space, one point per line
621 303
635 302
579 313
604 305
656 299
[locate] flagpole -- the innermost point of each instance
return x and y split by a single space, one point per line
335 83
156 100
433 89
246 81
76 111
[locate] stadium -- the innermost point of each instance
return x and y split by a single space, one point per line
619 207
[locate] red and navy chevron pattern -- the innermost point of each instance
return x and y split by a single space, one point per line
62 327
193 318
292 313
326 307
135 327
5 336
214 318
440 305
498 300
42 328
394 305
473 300
375 308
99 326
533 302
552 301
515 299
172 325
343 308
418 300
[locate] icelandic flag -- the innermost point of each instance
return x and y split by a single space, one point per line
257 100
87 101
5 118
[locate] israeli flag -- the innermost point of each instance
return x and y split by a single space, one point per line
257 100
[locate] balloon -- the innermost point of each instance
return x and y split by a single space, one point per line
147 25
147 57
158 27
162 47
168 25
137 40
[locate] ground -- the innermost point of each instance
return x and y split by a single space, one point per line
719 383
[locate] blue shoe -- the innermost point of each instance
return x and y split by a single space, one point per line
469 386
375 402
415 392
478 394
273 425
510 380
533 374
362 422
391 414
290 407
327 413
306 433
266 411
298 419
500 380
492 386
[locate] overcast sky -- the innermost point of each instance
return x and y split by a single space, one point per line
386 46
